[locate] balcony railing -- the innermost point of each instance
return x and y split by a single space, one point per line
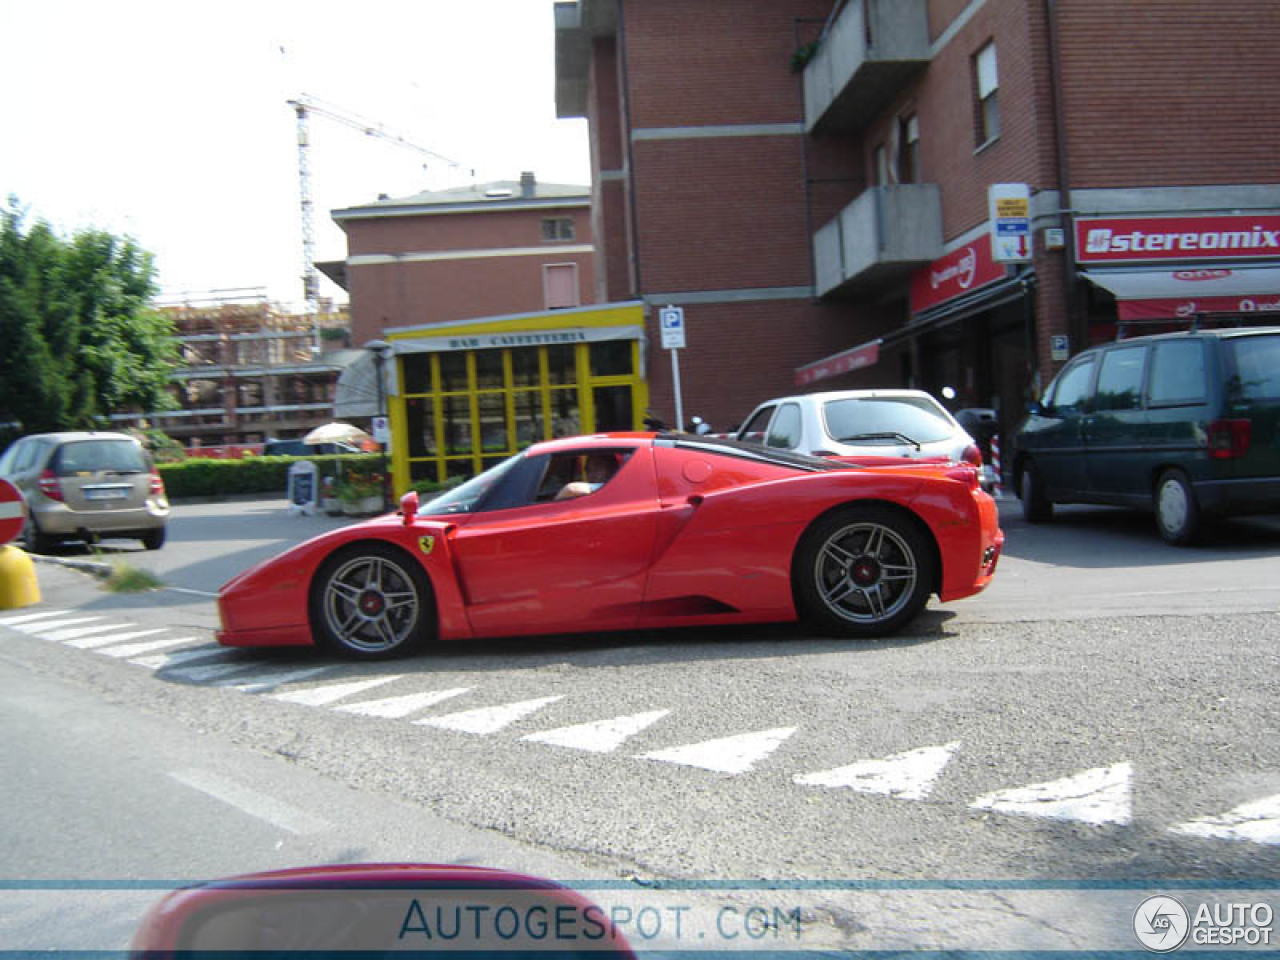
883 235
873 50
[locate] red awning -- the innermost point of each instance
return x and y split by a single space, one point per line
856 358
1165 294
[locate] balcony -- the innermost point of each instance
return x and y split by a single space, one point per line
874 49
879 238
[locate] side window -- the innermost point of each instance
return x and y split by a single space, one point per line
785 430
9 462
753 432
1073 387
1120 379
1177 374
577 474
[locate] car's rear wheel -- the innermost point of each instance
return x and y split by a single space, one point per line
864 571
371 602
1177 513
36 540
1036 505
153 539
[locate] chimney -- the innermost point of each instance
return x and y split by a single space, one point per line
528 184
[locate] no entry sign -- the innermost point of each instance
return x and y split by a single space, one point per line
13 512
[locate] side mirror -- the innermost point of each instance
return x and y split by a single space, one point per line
1036 408
409 506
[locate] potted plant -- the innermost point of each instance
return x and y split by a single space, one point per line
330 502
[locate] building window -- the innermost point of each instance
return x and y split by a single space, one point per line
560 285
987 88
909 149
882 166
557 228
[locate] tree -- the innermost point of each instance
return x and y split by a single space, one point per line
79 339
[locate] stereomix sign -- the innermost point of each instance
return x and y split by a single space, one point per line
1124 240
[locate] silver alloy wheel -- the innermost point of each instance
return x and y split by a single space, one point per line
865 572
371 605
1172 505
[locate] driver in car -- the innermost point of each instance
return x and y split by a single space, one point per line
598 471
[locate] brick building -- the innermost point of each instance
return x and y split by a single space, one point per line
809 180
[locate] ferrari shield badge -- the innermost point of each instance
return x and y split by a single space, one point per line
426 544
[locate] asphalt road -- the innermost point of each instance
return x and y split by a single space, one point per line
1106 711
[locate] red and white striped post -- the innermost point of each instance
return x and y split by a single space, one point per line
998 488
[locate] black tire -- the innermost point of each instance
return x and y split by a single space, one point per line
36 540
349 611
1036 505
863 572
153 539
1177 513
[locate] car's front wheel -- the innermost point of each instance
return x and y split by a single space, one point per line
153 539
371 602
1177 513
865 571
1036 505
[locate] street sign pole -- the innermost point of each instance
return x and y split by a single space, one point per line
671 321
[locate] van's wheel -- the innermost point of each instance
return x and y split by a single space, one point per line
36 540
864 571
1036 505
372 602
1177 513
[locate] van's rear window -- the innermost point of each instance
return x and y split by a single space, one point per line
1257 366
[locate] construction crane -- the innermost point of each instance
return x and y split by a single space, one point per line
303 107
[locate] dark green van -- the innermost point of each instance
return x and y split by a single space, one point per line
1186 424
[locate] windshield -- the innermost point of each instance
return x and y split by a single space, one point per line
886 420
468 496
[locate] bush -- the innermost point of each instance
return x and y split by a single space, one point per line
198 477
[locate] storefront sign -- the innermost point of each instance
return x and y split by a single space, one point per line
959 272
1009 207
1116 240
1163 309
865 355
531 338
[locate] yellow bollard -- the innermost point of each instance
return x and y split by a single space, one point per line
18 585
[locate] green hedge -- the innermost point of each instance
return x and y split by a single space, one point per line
206 477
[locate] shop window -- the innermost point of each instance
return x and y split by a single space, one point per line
881 159
611 358
494 436
557 229
489 375
528 410
987 94
565 419
453 372
562 364
560 285
524 367
613 408
909 149
420 425
457 424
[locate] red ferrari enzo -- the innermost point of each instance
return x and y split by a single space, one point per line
628 531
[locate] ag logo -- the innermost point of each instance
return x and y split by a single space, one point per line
1161 924
426 544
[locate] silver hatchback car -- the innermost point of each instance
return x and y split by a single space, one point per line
84 486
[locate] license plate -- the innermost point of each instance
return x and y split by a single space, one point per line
108 493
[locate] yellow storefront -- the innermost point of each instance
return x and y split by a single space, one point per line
465 396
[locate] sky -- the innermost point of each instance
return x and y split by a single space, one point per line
168 121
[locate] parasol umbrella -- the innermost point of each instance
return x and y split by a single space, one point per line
337 433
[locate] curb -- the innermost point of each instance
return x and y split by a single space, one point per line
92 567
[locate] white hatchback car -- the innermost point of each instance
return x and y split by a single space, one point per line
861 423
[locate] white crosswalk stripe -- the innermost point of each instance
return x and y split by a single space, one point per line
50 625
735 754
29 617
74 633
323 696
134 649
262 682
165 660
395 708
599 736
92 643
206 672
907 776
487 720
1097 796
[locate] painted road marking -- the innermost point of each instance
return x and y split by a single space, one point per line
72 633
29 617
394 708
1101 795
208 672
91 643
166 660
323 696
1258 821
255 804
133 649
599 736
51 624
263 682
907 776
736 754
487 720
